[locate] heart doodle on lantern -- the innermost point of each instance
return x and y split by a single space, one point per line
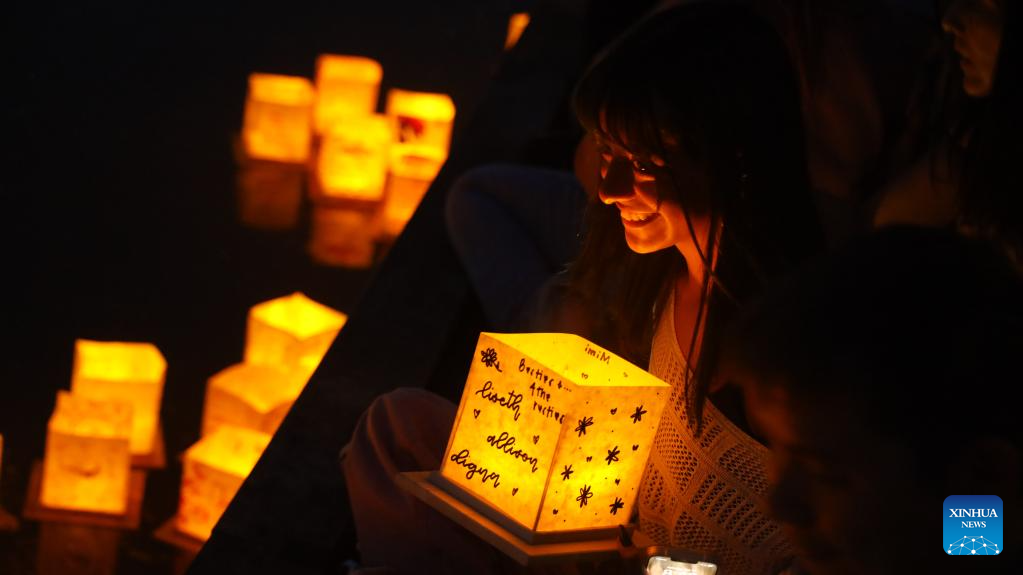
635 447
555 511
514 491
618 481
536 438
614 411
476 414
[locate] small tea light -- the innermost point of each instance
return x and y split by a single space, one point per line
346 86
214 469
353 158
123 371
278 117
251 396
292 332
87 465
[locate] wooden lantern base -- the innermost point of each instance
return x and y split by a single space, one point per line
36 511
156 458
606 546
171 535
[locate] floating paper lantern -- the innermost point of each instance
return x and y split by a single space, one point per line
278 118
252 396
292 332
346 86
516 26
407 183
423 121
353 159
214 469
132 372
88 463
344 236
552 435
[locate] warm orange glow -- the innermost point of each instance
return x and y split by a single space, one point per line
132 372
516 26
346 86
255 397
408 182
278 117
292 332
353 158
87 464
344 236
553 431
423 121
214 469
269 194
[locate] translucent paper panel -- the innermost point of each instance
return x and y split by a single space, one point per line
87 464
408 182
122 371
251 396
214 469
423 121
554 431
292 332
278 118
346 86
353 158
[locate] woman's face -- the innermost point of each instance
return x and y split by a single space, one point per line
643 190
976 29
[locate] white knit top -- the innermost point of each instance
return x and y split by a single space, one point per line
706 494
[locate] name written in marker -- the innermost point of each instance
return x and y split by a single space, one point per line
600 354
510 400
506 443
472 470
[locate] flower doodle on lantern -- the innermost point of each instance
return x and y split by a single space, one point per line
638 416
618 504
489 359
584 495
567 473
612 455
583 424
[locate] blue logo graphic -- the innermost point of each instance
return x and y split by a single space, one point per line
972 525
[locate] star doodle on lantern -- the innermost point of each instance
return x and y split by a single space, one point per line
489 358
584 495
618 504
567 473
612 455
636 417
583 424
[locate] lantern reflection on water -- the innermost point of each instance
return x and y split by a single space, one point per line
278 118
344 236
346 86
552 435
292 332
254 397
214 469
88 462
132 372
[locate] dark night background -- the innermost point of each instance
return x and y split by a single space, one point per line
119 214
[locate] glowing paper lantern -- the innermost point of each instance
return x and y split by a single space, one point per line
344 236
408 182
423 121
132 372
292 332
353 159
214 469
346 86
278 117
552 435
252 396
88 463
516 26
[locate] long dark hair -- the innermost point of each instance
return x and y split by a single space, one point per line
991 184
717 79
